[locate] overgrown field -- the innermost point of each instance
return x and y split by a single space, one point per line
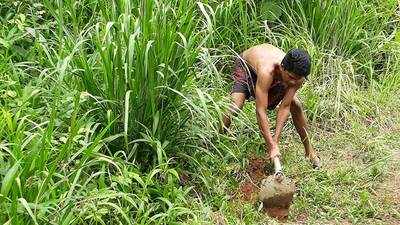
110 111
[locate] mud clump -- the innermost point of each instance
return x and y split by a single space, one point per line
257 186
276 196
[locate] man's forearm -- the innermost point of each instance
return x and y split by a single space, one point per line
264 127
282 116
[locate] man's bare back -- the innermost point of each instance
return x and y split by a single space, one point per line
264 56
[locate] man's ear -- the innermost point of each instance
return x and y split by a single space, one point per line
279 68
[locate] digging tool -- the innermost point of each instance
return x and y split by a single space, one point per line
276 192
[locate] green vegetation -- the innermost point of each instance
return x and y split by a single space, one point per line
110 110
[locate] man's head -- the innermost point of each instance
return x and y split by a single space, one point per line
295 65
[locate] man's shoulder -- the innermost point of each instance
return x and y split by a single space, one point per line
264 52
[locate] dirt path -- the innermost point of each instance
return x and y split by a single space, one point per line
389 191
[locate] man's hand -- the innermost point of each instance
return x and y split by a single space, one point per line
274 150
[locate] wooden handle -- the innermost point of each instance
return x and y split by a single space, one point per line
277 165
279 176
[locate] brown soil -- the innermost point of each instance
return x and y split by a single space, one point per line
256 169
255 172
279 213
248 191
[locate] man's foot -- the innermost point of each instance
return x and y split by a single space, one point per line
315 162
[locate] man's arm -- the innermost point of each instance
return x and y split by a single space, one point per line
283 112
262 86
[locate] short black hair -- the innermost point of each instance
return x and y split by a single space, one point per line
297 61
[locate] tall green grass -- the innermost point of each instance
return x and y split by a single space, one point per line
133 57
110 73
55 167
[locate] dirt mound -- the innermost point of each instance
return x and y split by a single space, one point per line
277 196
258 185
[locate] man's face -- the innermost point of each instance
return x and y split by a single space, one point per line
291 78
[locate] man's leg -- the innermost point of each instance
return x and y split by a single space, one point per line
300 122
237 104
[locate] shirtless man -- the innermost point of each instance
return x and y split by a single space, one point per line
266 73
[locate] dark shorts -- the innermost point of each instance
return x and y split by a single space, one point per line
245 79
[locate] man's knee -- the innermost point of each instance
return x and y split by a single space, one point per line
237 103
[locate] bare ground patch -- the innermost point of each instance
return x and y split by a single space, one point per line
389 191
